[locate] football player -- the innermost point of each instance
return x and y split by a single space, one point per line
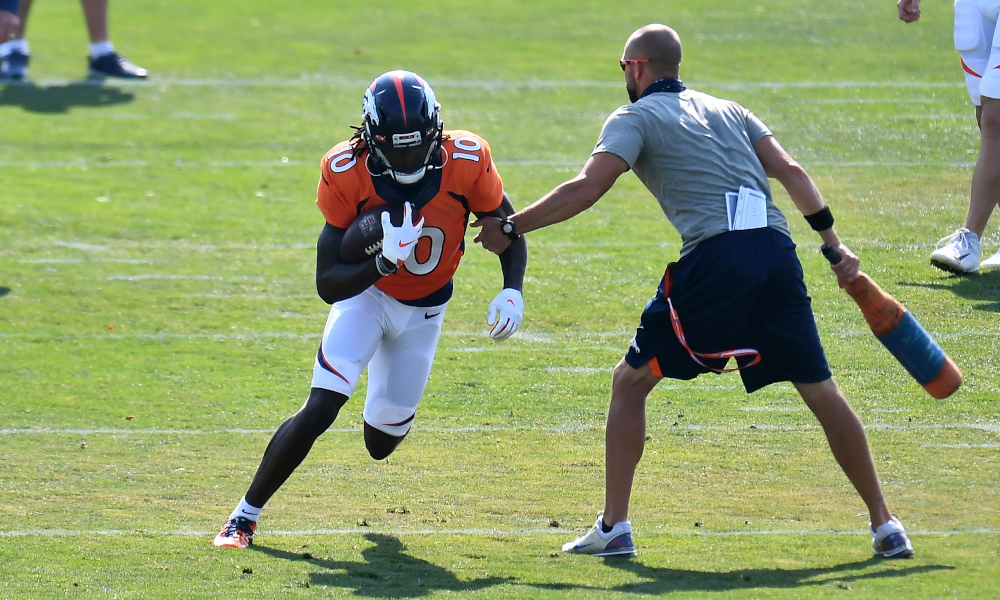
387 311
977 40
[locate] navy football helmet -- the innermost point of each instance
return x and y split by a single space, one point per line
402 126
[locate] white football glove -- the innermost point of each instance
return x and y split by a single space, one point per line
398 242
505 314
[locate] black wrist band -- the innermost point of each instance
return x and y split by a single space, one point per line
820 221
384 265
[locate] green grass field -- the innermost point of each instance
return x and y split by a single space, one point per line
158 318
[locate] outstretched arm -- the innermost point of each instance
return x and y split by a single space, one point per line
564 202
807 198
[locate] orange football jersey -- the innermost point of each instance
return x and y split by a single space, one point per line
469 184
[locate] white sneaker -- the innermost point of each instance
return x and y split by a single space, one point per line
890 540
991 263
959 254
617 542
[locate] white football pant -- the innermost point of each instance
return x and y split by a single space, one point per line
978 41
397 342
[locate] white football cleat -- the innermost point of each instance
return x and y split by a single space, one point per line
959 254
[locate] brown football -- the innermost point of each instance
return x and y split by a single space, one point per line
363 238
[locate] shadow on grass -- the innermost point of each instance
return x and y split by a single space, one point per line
4 291
56 99
660 580
984 287
386 571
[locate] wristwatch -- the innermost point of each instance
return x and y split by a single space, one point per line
507 228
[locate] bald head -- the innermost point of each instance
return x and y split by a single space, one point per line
658 43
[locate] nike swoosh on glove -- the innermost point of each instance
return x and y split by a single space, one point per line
505 314
398 242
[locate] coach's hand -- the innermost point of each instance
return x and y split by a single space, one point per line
491 237
398 242
505 314
848 265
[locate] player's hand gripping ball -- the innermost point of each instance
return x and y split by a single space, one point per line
399 241
363 237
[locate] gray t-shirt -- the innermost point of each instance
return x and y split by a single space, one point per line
690 149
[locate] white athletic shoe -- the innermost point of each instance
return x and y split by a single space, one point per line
617 542
959 253
890 540
991 263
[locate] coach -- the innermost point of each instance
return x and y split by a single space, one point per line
736 291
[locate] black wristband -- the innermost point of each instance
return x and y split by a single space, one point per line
384 265
822 220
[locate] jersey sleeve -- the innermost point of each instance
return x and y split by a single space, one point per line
489 186
334 186
485 187
622 136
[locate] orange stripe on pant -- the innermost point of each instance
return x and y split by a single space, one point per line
966 68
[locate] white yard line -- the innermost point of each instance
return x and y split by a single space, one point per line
473 531
655 425
960 445
574 164
329 82
526 343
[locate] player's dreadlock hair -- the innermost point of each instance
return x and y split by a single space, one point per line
357 140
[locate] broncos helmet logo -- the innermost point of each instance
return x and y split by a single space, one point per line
369 110
430 101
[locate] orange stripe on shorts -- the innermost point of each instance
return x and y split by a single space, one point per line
654 367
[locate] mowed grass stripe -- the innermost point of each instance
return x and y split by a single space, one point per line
749 479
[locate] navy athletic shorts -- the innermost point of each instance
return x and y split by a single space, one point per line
739 289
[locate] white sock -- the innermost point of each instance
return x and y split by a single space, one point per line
246 510
18 45
99 49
